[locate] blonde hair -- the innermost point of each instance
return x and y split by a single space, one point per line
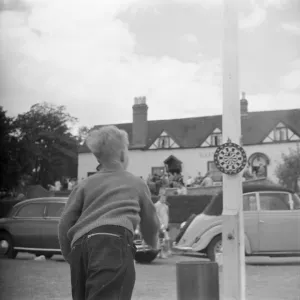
107 143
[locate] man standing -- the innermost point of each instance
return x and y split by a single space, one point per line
162 210
97 226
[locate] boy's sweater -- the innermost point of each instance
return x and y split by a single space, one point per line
109 197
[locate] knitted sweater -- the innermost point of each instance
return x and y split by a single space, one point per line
109 197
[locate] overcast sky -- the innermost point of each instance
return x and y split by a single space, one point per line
95 56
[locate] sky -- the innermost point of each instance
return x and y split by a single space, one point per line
95 56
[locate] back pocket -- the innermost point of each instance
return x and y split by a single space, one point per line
105 251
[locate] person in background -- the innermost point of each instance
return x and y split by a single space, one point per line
97 226
198 179
207 181
247 173
189 181
162 210
182 190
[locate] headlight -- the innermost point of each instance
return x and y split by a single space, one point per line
182 225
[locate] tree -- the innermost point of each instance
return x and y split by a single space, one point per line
83 132
10 167
288 172
49 148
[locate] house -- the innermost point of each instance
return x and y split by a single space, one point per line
188 145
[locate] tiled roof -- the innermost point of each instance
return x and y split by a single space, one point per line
192 132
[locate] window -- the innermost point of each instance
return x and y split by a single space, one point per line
295 202
215 139
274 201
280 134
164 142
158 170
55 210
259 164
211 166
32 210
249 202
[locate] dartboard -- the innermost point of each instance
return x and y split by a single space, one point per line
230 158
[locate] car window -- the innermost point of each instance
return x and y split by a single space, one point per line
55 209
274 201
295 201
249 202
32 210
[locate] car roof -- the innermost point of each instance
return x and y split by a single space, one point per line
42 199
215 207
264 187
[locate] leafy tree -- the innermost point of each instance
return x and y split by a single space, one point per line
288 172
10 167
83 132
49 148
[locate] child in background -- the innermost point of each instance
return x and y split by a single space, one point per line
162 210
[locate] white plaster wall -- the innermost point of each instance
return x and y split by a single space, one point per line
194 160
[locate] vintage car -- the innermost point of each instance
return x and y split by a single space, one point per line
32 225
271 224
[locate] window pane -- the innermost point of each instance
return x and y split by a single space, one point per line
276 134
212 166
296 201
55 209
249 202
274 201
33 210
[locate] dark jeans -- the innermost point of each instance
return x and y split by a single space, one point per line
102 264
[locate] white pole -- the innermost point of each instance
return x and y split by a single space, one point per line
233 222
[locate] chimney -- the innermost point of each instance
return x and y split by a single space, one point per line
140 123
244 105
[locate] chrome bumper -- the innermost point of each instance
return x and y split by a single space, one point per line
141 246
182 248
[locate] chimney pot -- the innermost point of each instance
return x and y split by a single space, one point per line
244 105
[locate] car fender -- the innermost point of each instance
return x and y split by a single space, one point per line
203 241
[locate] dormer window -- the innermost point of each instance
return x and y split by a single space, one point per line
164 141
214 139
280 133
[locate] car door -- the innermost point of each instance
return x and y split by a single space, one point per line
27 224
50 228
250 207
278 223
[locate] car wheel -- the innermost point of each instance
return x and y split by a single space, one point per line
145 257
214 247
6 246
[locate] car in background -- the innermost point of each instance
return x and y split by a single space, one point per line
144 253
32 226
271 224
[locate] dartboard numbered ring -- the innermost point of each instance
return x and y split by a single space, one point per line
230 158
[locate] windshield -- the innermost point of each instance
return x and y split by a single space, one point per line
215 207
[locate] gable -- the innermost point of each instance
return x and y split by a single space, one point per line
280 133
164 141
214 139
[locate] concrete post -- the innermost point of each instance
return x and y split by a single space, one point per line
197 280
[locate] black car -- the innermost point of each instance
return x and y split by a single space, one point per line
32 226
